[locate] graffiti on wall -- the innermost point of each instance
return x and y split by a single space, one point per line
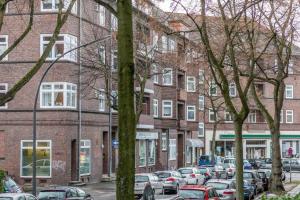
59 165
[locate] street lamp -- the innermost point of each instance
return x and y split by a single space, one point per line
34 185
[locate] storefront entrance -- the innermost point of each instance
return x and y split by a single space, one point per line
255 149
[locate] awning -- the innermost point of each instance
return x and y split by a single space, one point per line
194 143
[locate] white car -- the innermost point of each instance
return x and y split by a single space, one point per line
230 169
17 196
192 175
147 180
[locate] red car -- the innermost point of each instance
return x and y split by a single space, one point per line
197 192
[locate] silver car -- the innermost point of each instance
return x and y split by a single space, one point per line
225 188
192 175
145 180
172 180
17 196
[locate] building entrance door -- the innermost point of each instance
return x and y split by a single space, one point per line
255 149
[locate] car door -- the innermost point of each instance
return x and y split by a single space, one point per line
72 194
181 180
155 183
212 194
30 197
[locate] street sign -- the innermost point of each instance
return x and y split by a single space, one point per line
115 144
290 151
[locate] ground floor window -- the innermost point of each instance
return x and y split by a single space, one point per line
189 154
43 158
172 149
286 144
151 152
147 152
142 152
85 157
224 148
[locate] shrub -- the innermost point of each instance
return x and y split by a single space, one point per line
297 197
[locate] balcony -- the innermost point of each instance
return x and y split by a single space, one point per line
182 95
182 124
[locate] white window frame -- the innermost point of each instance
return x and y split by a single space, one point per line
187 112
155 108
164 143
4 92
227 113
37 147
70 42
201 126
102 54
289 88
252 117
212 84
145 157
64 90
190 80
102 15
172 147
149 150
164 43
167 72
210 113
201 102
291 67
6 46
102 97
87 144
155 73
114 22
201 76
163 108
289 113
114 55
232 87
66 5
171 44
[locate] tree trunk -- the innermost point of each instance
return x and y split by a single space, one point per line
213 145
126 110
238 127
276 182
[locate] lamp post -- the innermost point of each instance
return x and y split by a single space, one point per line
34 137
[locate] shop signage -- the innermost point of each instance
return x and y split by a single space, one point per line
146 135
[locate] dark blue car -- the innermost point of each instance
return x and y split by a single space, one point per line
247 165
249 191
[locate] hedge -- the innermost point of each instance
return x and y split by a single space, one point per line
297 197
2 174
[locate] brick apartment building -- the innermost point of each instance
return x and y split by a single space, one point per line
71 104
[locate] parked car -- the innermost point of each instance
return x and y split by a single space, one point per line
249 190
142 181
172 180
225 188
230 160
230 169
205 160
10 186
17 196
265 163
206 172
247 165
255 163
64 192
197 192
265 177
253 177
295 164
192 175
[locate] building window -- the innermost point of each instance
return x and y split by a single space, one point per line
101 52
212 89
252 117
3 45
167 108
151 152
142 153
102 100
43 158
201 102
232 90
189 154
155 108
167 76
191 84
114 22
227 116
281 116
191 113
63 44
53 5
102 16
201 76
163 141
289 91
201 129
3 91
291 67
85 157
172 149
164 43
289 116
171 44
58 95
212 116
155 73
114 60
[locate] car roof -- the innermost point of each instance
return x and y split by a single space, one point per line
58 188
13 194
195 187
187 168
167 171
144 174
220 181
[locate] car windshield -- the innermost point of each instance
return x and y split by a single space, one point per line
229 161
46 195
140 179
6 198
192 194
262 174
203 170
247 175
163 174
218 185
185 171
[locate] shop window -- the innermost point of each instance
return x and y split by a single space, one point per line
151 152
58 95
85 157
172 149
43 158
142 153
